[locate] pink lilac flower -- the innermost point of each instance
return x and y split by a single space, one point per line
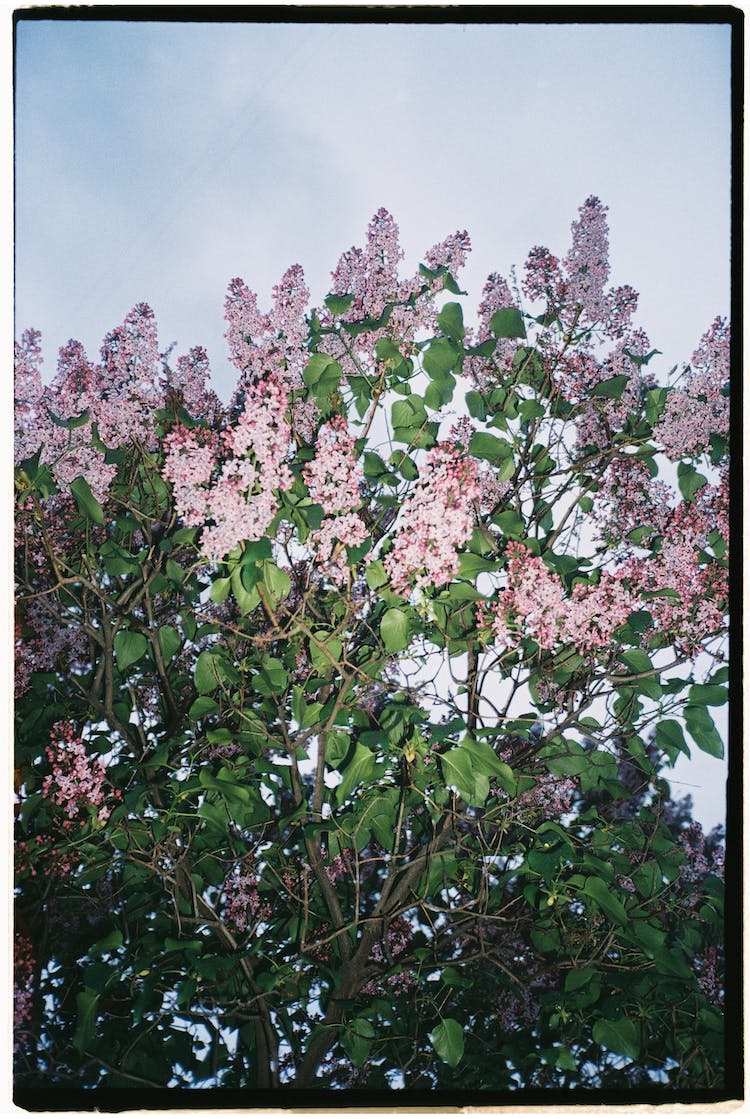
191 457
621 305
269 344
23 988
290 299
190 380
119 396
77 781
710 975
370 275
452 253
245 324
305 418
496 296
334 476
329 542
435 520
398 937
576 288
587 262
532 603
339 867
600 418
244 907
130 390
28 391
492 492
89 463
693 414
576 372
629 499
74 392
218 488
44 640
594 613
690 594
543 276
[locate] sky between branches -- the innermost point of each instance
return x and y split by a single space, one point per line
155 161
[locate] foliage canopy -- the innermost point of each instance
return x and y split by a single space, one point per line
344 710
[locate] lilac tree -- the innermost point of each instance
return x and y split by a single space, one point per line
344 710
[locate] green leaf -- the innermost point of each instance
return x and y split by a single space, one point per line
612 388
439 392
373 465
86 501
408 414
211 670
359 769
636 660
202 706
316 367
375 575
460 770
107 943
510 522
338 304
440 357
702 729
72 422
689 480
169 642
337 747
363 1028
325 651
219 590
597 889
488 446
277 582
579 978
386 348
669 738
714 695
508 323
564 1059
129 648
619 1036
484 760
244 587
451 321
254 550
448 1041
655 403
86 1003
647 936
394 629
471 565
475 402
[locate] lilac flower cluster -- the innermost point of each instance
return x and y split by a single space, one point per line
77 781
693 414
23 987
113 403
534 604
369 276
227 486
244 908
575 289
435 520
267 344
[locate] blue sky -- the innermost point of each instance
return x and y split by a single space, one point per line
156 161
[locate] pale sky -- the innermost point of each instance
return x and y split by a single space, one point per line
156 161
